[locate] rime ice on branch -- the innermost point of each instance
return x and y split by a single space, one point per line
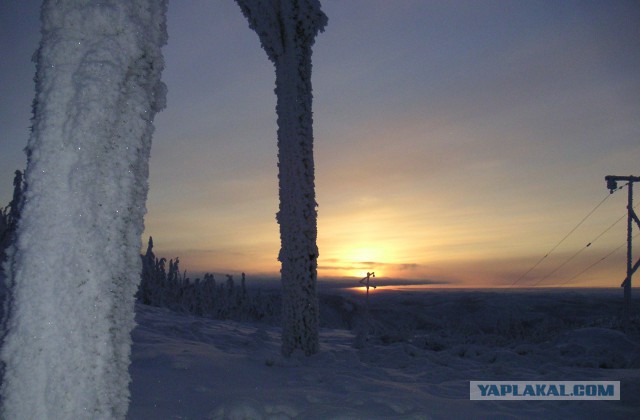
287 30
74 268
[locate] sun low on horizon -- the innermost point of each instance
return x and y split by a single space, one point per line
454 142
431 241
354 262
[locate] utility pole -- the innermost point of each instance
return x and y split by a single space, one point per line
612 185
363 329
366 281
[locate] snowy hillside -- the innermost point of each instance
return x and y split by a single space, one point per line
418 364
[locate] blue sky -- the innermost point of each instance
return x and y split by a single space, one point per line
455 140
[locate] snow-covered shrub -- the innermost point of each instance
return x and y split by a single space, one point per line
598 348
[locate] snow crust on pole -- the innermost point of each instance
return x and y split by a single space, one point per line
75 266
287 31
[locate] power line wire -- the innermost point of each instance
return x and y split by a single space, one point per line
597 262
579 251
567 235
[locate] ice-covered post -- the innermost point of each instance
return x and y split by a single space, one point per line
75 266
612 185
287 30
363 328
367 283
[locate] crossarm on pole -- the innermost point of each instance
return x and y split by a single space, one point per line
634 216
633 270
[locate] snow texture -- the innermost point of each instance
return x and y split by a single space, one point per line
287 30
425 349
74 269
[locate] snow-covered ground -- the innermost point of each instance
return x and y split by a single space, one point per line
424 350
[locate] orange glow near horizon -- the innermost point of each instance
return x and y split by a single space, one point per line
450 250
435 172
362 257
362 289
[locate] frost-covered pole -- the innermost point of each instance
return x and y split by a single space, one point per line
287 30
75 265
363 329
366 281
612 185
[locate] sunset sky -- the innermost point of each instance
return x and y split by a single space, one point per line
455 141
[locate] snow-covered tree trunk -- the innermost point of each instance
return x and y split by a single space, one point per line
287 31
75 266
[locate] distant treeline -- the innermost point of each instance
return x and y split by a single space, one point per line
162 284
169 288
